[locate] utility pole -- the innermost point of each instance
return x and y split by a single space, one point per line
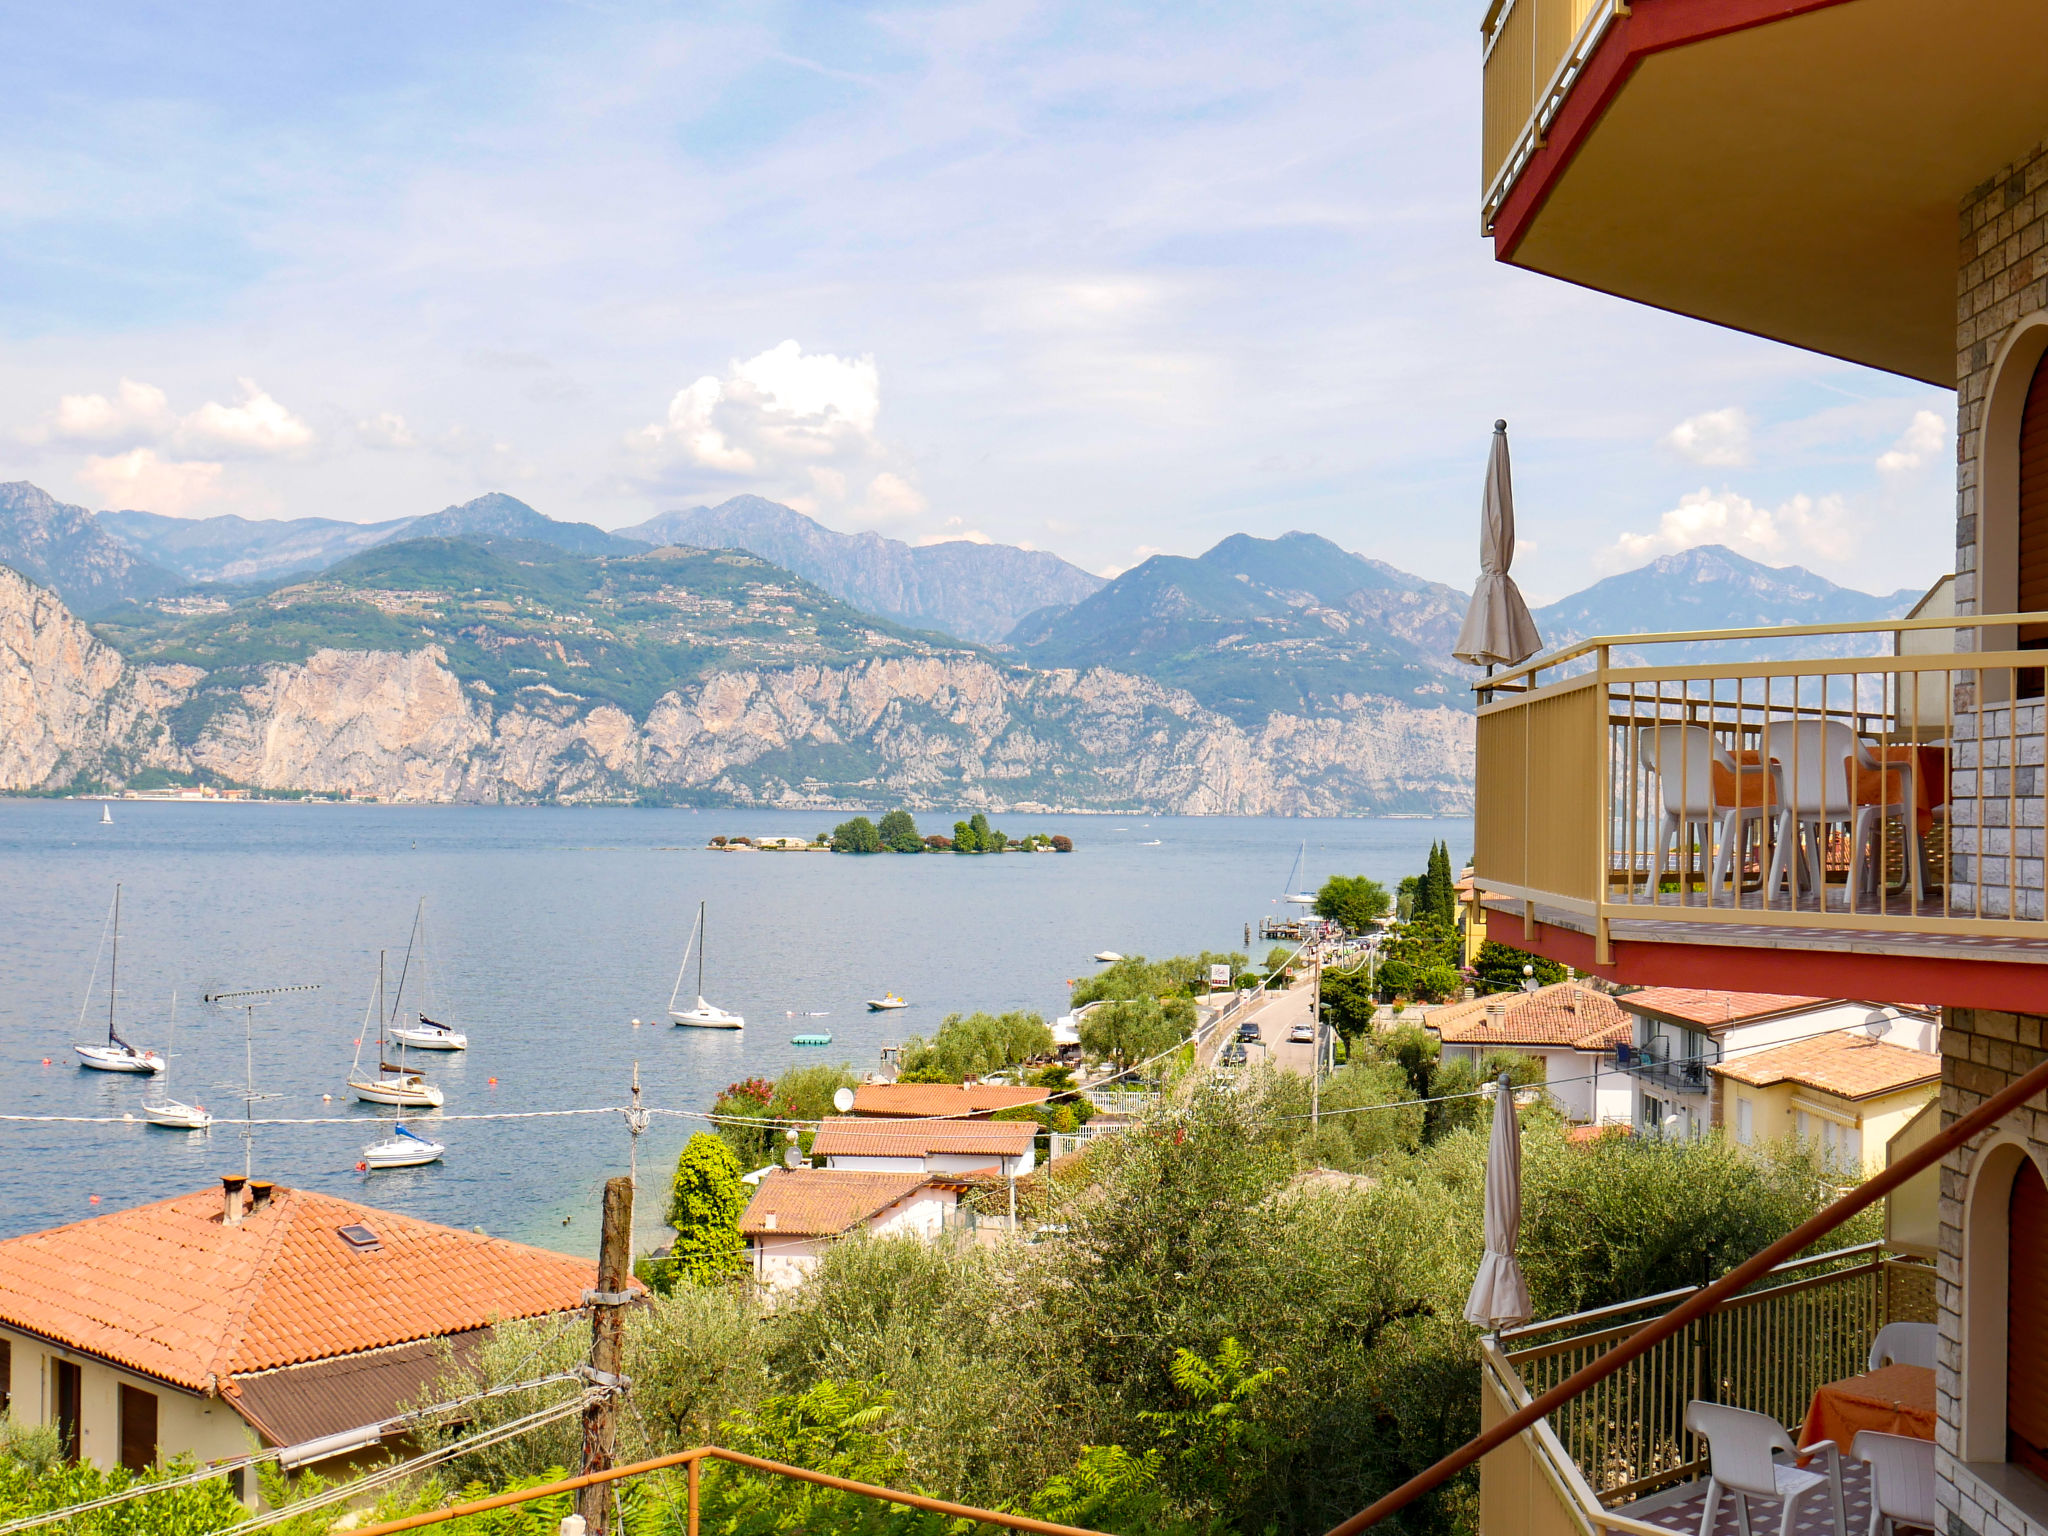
1315 1010
607 1344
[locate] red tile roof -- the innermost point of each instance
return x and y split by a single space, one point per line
1565 1014
1709 1009
169 1291
1848 1066
920 1138
823 1202
941 1100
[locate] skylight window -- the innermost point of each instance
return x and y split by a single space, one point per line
359 1237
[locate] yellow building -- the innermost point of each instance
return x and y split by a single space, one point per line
1845 1094
1471 918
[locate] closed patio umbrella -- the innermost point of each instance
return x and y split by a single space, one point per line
1500 1296
1498 630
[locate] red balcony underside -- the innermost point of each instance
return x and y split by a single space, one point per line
2008 986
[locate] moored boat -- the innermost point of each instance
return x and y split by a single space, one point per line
886 1003
393 1083
117 1055
405 1149
425 1033
167 1111
704 1015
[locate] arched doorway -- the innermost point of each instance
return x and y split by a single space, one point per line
2031 566
2026 1321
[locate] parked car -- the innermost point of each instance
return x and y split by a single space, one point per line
1302 1034
1249 1030
1233 1055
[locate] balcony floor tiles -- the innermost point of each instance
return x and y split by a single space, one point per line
1680 1508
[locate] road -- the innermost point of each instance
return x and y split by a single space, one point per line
1275 1014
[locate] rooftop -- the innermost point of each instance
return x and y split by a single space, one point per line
1846 1065
170 1291
1564 1014
1708 1009
822 1202
942 1100
849 1137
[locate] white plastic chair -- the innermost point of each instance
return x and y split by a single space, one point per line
1904 1344
1683 758
1812 758
1901 1479
1742 1448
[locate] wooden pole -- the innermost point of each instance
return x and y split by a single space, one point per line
607 1348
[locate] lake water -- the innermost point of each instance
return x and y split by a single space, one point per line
551 930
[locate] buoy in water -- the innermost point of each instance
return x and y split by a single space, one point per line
362 1167
494 1082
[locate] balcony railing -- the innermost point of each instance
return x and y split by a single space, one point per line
1769 1349
1533 51
1688 1074
1890 794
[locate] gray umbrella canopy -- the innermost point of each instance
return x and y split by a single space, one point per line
1498 630
1500 1297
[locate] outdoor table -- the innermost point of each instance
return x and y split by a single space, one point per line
1893 1399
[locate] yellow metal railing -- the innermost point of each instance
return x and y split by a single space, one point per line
1810 1322
1880 793
1533 51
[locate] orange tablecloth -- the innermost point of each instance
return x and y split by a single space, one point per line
1893 1399
1930 781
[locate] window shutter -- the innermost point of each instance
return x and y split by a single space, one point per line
6 1374
138 1428
2033 542
2026 1324
68 1389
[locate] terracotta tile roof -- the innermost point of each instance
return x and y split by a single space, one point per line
1710 1009
168 1290
823 1202
920 1138
1565 1014
941 1099
1849 1066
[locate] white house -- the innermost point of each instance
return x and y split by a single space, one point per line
1571 1029
1003 1147
796 1213
1682 1033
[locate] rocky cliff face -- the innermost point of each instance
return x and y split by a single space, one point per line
926 731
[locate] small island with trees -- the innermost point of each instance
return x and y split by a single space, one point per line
897 833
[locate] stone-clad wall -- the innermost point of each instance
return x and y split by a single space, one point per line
1981 1052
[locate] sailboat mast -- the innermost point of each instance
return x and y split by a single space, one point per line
700 952
382 1065
114 967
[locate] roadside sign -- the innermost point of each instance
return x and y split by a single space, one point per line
1219 975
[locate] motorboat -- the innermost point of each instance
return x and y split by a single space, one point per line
1108 956
165 1110
117 1055
704 1015
886 1003
424 1033
405 1149
393 1083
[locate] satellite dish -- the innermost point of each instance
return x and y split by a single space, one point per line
791 1157
843 1100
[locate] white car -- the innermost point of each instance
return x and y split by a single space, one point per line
1302 1034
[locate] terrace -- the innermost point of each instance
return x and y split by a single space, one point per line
1647 803
1618 1458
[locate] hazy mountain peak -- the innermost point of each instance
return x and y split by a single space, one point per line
63 547
495 515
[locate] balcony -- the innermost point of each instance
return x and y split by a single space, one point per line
1687 1074
1618 1458
1858 826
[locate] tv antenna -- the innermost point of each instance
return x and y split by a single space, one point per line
249 1000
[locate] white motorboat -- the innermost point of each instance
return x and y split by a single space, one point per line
704 1015
888 1002
425 1033
406 1149
392 1083
117 1055
167 1111
1108 956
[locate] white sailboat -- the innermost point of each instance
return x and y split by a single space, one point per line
167 1111
403 1086
405 1149
106 814
424 1034
704 1015
117 1055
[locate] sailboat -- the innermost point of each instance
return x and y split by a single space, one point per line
117 1055
167 1111
406 1149
704 1015
427 1034
404 1086
106 814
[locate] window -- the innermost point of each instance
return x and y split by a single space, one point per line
6 1374
1745 1121
67 1392
138 1428
2026 1324
2033 520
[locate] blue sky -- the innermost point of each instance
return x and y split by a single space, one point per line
1100 279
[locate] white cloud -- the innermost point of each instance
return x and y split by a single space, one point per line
140 415
955 530
139 480
1801 528
1922 440
387 429
1719 438
799 426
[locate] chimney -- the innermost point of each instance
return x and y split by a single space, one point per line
231 1201
1497 1013
768 1221
259 1195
